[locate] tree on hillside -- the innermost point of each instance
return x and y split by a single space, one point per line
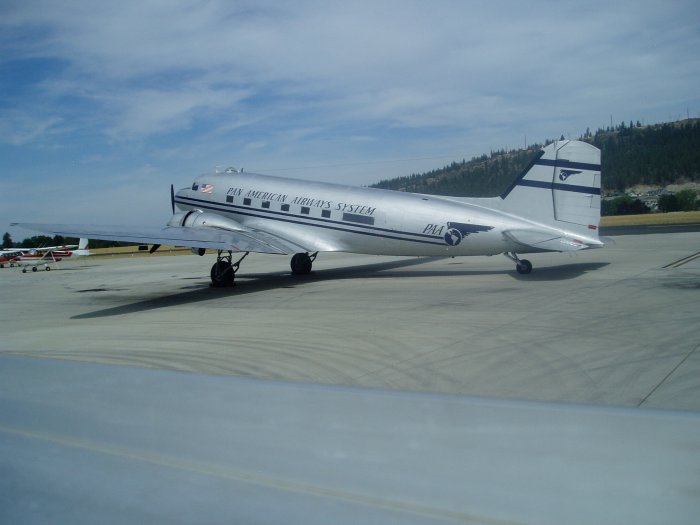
684 200
631 154
623 205
668 203
687 200
7 241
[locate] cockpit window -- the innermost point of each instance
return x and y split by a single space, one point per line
195 186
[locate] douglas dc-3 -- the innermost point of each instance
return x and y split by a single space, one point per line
553 205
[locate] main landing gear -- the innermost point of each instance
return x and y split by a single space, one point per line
523 266
301 263
224 271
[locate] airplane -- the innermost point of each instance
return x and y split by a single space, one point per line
8 257
24 249
553 205
35 257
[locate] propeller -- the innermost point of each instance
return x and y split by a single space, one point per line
172 198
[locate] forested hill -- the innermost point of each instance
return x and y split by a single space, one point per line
658 154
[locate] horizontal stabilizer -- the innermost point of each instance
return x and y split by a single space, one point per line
546 241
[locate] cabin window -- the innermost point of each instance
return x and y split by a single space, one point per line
246 202
285 207
362 219
326 213
266 204
229 198
305 210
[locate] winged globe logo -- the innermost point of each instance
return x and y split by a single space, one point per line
456 231
565 174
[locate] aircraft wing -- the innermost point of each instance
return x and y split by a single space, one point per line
202 450
211 238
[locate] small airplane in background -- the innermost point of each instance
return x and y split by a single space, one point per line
9 258
35 257
553 205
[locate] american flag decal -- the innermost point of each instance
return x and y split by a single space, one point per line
206 188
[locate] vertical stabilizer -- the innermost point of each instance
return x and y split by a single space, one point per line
560 187
83 249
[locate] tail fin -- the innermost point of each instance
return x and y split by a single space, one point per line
560 187
83 249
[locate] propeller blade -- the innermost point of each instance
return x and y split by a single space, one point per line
172 198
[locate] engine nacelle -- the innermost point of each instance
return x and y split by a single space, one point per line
202 219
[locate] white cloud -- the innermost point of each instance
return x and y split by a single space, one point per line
401 61
18 128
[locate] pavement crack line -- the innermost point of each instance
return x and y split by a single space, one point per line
646 398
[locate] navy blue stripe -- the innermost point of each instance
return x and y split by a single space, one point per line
522 174
561 163
559 186
285 217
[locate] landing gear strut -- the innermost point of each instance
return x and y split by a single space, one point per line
301 263
224 271
523 266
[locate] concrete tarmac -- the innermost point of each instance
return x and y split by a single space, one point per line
616 326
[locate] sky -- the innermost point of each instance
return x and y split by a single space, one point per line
103 105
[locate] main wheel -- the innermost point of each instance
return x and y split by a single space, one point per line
48 268
222 274
523 266
34 268
301 264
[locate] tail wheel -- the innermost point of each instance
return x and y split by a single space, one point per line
222 274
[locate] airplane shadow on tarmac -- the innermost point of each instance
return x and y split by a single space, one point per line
262 282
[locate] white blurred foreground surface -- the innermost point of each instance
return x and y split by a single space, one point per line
87 443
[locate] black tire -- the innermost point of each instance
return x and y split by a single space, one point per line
222 274
24 270
48 268
301 264
34 268
524 266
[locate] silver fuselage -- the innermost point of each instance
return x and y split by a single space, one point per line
329 217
